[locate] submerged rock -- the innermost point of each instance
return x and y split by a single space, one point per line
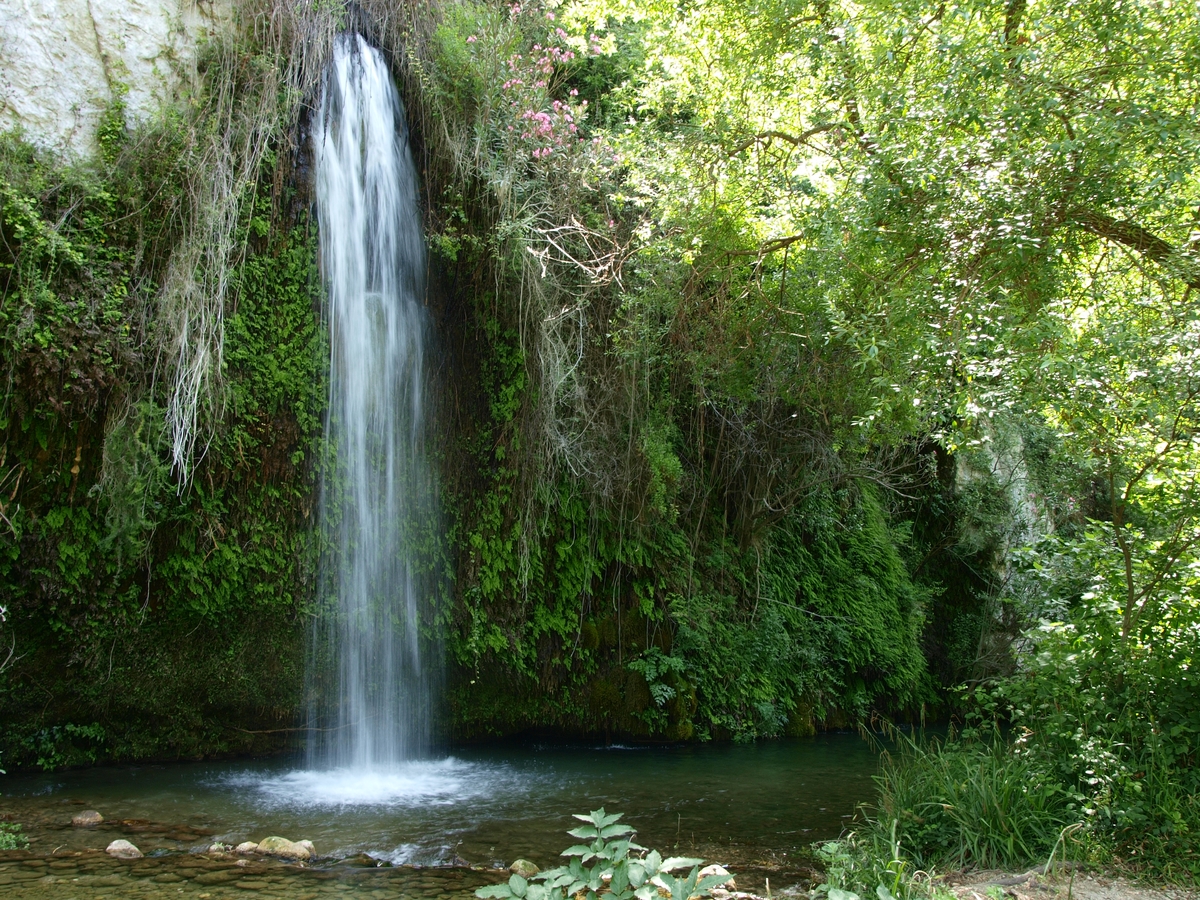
122 849
87 818
365 861
524 868
282 847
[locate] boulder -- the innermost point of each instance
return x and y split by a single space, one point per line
308 845
524 868
123 850
282 847
246 847
87 819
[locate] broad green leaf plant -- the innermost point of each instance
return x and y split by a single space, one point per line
609 863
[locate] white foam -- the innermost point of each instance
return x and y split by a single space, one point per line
419 783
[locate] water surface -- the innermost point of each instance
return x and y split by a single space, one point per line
755 808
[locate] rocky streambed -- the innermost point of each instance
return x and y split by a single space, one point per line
94 874
90 857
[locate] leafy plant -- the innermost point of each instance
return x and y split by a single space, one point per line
620 869
11 837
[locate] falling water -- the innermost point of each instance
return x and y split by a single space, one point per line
377 507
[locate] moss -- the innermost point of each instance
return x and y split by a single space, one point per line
150 623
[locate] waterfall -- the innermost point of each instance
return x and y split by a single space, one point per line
378 514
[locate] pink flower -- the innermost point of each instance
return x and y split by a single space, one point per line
574 93
471 39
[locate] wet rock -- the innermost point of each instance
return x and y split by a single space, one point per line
308 845
361 861
218 877
246 847
524 868
123 850
87 819
282 847
100 880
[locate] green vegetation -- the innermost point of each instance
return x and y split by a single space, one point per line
617 869
11 837
804 362
107 563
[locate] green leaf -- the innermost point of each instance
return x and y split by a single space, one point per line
614 830
679 862
637 874
519 885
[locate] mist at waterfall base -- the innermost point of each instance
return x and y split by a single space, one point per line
374 662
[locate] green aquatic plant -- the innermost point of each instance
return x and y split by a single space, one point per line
620 869
11 837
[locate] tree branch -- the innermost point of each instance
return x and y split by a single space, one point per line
1137 238
1013 13
793 139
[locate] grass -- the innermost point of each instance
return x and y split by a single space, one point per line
981 802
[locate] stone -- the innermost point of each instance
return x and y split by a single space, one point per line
283 848
87 819
100 880
64 61
246 847
308 845
220 876
524 868
122 849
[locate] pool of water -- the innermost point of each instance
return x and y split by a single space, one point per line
755 808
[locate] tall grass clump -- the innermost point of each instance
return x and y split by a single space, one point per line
979 801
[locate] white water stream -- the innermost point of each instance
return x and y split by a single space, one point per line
372 678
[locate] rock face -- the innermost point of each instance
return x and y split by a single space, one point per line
63 61
123 850
282 847
87 818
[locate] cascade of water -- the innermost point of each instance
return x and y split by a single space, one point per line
377 502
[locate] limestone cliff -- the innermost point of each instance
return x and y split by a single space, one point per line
63 61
